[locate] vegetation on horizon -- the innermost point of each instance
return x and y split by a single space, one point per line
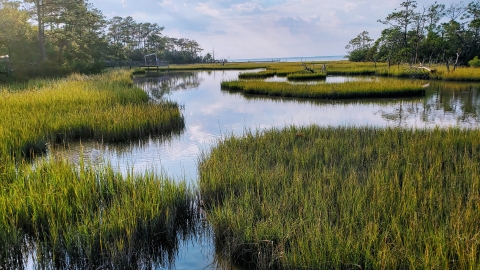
335 198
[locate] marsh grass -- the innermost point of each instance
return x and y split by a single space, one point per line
106 107
85 216
283 69
357 89
93 216
306 76
257 75
338 198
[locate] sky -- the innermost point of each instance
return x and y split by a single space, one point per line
237 29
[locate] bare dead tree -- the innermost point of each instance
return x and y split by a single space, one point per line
307 68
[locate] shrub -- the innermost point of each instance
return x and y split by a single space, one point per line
475 62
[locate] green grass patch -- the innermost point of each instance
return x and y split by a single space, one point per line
257 75
89 216
139 71
359 89
105 107
85 216
306 76
337 198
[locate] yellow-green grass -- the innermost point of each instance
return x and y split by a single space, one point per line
283 69
342 198
357 89
91 216
84 215
352 68
381 69
105 107
459 74
257 75
305 76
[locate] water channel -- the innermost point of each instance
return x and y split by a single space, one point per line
212 114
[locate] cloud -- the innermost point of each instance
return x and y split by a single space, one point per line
165 3
205 9
298 25
262 28
246 7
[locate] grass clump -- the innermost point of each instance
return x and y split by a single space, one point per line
304 76
336 198
257 75
105 107
139 71
85 216
92 216
358 89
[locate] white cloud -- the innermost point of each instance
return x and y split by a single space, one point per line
204 8
165 3
246 7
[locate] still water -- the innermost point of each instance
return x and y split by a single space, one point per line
212 114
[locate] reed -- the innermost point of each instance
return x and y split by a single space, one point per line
284 69
303 76
105 107
85 215
357 89
336 198
257 75
459 74
353 68
91 215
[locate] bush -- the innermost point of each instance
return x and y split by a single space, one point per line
475 62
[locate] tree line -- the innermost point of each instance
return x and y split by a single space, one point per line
432 34
60 36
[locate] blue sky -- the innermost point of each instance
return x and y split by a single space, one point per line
261 28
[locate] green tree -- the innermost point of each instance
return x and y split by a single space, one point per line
359 46
16 31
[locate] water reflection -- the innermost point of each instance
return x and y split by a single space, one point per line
446 103
159 86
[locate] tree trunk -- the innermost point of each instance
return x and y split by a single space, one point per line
41 32
446 62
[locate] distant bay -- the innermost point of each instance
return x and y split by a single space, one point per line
292 59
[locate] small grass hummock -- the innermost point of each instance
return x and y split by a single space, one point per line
257 75
304 76
357 89
347 197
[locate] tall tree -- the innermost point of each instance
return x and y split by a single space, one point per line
15 28
359 46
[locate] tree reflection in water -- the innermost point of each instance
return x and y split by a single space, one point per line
446 104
